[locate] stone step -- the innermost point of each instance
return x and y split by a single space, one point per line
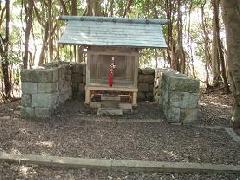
125 106
110 104
110 98
110 111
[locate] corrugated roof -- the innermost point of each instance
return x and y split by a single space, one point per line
102 31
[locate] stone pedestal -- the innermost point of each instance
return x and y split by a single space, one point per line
43 90
178 95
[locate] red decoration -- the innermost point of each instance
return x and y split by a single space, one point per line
110 73
110 78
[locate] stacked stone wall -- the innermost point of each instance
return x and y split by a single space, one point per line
145 84
43 90
78 72
178 95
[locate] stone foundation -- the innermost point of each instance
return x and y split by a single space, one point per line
178 95
78 72
43 90
145 84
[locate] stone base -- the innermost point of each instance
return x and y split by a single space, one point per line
178 94
31 112
110 111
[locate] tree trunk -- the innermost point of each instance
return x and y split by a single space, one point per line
231 17
206 45
5 54
50 23
127 9
181 53
215 49
74 13
74 8
28 22
94 8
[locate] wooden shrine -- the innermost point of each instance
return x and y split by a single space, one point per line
112 47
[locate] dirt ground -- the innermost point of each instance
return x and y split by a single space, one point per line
76 131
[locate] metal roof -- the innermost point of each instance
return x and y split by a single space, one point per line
104 31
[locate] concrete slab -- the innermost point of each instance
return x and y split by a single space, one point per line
130 165
110 111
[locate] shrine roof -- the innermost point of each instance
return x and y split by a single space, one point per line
108 31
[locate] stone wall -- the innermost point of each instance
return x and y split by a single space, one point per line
44 89
145 84
178 95
78 72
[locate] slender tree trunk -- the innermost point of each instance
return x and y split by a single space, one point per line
206 45
28 22
50 23
215 46
181 53
5 54
127 9
231 17
74 8
42 55
74 13
94 8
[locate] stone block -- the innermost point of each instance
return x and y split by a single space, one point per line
189 115
84 69
143 87
27 112
77 78
172 114
55 75
110 111
78 68
183 99
75 87
29 88
164 95
47 87
43 112
151 88
26 75
60 85
183 84
61 73
39 75
81 87
148 71
44 100
84 79
26 100
141 96
95 105
125 106
110 104
146 79
149 96
68 77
